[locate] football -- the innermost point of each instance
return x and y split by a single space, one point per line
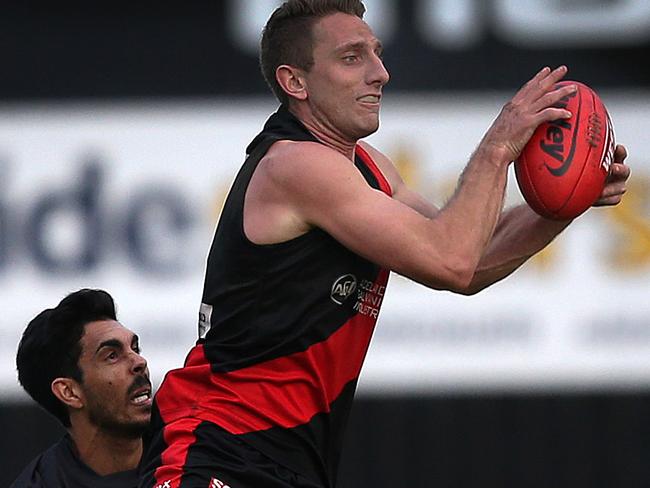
562 170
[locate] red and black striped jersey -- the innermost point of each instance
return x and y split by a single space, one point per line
284 329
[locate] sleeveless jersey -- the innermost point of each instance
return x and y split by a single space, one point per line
284 330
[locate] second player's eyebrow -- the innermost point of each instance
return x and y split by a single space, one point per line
135 340
109 343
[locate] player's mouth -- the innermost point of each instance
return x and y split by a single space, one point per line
141 397
370 99
140 392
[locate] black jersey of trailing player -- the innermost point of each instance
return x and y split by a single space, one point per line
284 329
59 467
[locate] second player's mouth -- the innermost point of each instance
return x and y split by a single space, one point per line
141 397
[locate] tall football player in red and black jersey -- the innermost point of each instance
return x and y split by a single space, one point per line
82 366
298 268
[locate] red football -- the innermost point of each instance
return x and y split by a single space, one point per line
562 170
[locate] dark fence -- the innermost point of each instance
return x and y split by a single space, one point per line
530 441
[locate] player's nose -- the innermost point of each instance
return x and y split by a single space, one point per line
378 72
139 363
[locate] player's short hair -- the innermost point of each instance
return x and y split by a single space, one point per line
287 37
50 346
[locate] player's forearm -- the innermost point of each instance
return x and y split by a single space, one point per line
471 216
519 235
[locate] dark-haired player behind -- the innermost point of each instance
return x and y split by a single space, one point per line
82 366
299 263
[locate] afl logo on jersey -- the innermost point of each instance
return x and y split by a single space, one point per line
343 287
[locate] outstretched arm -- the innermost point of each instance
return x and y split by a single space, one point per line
520 233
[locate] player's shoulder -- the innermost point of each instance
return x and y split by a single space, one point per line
29 476
293 152
38 473
299 161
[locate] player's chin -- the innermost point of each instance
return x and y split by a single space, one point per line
369 125
139 422
141 410
135 428
138 414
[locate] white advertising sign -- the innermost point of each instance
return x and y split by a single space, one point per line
125 197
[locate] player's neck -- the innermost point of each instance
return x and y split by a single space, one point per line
326 133
104 452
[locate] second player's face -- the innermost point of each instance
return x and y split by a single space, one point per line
344 86
116 386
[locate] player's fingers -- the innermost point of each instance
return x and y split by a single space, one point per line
620 153
613 189
618 172
546 83
541 83
540 75
534 81
554 76
550 114
608 201
553 97
612 195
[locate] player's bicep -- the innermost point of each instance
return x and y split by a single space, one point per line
334 197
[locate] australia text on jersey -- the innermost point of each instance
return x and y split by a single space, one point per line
369 298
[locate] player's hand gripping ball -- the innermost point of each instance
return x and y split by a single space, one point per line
562 170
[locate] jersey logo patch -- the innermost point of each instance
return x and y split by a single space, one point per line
342 288
205 314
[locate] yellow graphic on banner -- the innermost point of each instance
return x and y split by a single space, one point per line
407 166
630 249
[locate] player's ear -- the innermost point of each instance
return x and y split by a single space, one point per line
68 391
291 80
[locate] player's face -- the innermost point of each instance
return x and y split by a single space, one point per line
344 86
116 386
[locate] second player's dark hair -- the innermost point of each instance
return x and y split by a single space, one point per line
287 37
50 346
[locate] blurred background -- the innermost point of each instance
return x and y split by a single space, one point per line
122 126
